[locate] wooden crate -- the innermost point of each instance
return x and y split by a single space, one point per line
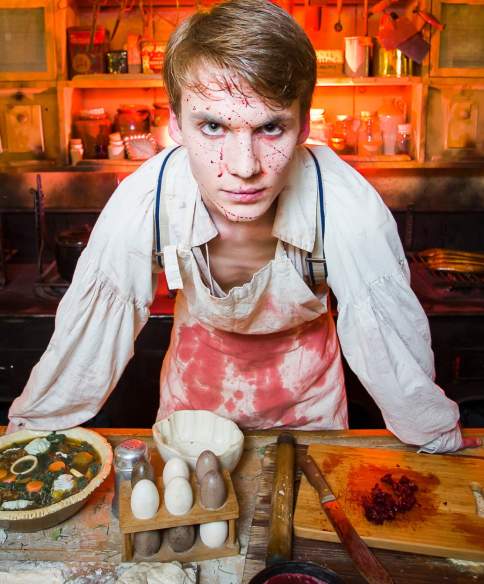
163 519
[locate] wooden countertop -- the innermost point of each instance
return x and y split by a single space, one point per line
87 547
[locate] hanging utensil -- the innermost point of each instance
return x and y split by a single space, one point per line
338 27
40 230
95 12
429 18
380 6
122 9
395 30
365 18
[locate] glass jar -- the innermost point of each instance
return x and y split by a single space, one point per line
343 139
115 147
159 129
93 128
132 119
76 150
369 135
320 129
117 61
404 138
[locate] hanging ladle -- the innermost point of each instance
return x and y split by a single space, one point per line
338 27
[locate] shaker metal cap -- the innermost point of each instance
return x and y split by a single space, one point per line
129 452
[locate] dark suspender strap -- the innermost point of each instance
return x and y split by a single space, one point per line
159 251
310 259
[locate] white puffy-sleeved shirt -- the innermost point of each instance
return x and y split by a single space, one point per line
382 329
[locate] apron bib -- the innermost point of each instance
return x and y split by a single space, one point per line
265 355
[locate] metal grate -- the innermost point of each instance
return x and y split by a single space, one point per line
443 285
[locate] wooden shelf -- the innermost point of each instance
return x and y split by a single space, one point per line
366 81
113 81
127 80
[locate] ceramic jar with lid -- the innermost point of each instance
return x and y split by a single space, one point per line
132 119
93 126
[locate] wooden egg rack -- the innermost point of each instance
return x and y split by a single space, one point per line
129 524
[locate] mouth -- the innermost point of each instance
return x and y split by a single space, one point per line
246 195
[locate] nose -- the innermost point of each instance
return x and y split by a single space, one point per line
241 156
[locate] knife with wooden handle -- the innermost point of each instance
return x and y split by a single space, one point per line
368 566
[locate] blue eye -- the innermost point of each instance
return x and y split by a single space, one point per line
212 129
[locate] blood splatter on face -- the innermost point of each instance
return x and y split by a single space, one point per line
240 147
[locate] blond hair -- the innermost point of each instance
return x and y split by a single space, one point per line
250 40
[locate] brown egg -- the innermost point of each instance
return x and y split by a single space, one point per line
206 462
181 538
147 543
213 492
142 470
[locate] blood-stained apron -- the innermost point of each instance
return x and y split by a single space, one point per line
265 355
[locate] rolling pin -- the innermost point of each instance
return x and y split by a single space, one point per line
279 546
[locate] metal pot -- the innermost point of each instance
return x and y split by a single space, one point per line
296 573
69 245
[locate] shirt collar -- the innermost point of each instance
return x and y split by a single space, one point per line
295 220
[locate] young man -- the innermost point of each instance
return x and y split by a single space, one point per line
235 216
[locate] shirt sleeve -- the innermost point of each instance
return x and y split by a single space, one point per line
383 330
99 317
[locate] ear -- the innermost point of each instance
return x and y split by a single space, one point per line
304 131
174 128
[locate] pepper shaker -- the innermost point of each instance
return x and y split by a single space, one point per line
126 455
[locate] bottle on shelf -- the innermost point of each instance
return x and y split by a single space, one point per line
115 147
369 135
343 138
391 113
320 127
76 150
159 128
404 139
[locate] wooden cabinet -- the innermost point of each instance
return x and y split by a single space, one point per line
458 50
61 99
27 30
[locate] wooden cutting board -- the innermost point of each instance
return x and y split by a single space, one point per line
444 522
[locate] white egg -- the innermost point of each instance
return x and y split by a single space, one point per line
145 499
178 496
214 534
175 467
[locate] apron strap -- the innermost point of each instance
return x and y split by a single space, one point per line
162 235
317 264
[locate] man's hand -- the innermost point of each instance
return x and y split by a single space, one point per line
451 441
12 428
470 442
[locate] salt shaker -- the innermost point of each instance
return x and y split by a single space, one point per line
126 455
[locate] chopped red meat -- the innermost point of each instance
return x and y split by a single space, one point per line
383 505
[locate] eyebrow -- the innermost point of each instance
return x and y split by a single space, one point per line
212 119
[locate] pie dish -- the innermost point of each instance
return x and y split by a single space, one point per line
28 520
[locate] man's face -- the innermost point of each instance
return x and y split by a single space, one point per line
240 149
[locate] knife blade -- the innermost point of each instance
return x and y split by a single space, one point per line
366 563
